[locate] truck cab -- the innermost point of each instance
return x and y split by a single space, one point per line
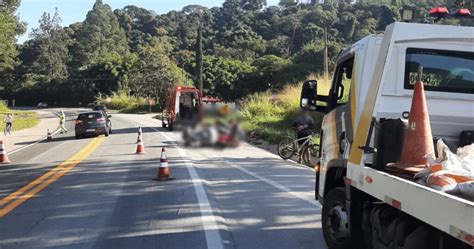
364 206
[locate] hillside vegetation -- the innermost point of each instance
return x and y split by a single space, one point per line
235 50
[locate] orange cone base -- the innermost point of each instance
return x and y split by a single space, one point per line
140 150
4 159
164 174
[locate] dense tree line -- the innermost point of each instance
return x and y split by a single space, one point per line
239 48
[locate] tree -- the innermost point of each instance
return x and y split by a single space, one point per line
10 28
51 49
224 77
100 34
154 74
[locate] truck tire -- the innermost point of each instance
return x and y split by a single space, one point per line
335 220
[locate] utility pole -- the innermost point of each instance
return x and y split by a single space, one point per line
199 55
326 66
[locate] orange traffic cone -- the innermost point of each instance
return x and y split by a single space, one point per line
418 141
3 154
163 170
140 146
418 138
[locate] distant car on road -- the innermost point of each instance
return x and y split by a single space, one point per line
99 108
42 105
93 123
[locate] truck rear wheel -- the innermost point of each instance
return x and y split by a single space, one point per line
335 220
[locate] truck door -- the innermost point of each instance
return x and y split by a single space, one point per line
337 132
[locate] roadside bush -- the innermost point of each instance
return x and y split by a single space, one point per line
3 107
122 102
272 115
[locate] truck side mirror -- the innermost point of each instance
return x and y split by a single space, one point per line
309 95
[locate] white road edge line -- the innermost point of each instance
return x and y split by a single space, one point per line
33 143
211 229
272 183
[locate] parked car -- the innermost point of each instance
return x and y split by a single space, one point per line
93 124
42 105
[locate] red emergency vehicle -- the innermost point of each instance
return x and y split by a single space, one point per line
184 107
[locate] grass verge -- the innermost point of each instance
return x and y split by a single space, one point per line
271 116
124 103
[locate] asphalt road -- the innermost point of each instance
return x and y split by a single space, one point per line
96 193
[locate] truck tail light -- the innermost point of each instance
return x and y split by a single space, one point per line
78 122
462 12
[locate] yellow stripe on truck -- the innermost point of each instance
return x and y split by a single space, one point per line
362 128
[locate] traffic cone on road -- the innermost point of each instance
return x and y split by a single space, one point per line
140 146
418 141
163 170
49 137
3 154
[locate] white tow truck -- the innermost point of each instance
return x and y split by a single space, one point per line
364 206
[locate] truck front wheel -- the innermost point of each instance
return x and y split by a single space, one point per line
335 220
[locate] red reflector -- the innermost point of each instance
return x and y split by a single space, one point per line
396 204
463 12
348 181
439 11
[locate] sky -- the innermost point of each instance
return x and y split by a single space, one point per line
72 11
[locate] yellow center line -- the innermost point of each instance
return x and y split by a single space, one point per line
43 181
40 179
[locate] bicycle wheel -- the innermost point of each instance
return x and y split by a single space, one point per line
310 152
286 148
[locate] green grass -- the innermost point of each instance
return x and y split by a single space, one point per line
124 103
21 119
272 115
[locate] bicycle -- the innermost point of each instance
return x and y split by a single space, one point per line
288 147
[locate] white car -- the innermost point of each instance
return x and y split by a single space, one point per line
42 105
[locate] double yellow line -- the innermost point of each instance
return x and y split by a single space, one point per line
16 198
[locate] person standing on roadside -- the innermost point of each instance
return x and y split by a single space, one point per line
8 124
62 122
303 125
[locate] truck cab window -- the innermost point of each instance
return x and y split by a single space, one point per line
339 93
